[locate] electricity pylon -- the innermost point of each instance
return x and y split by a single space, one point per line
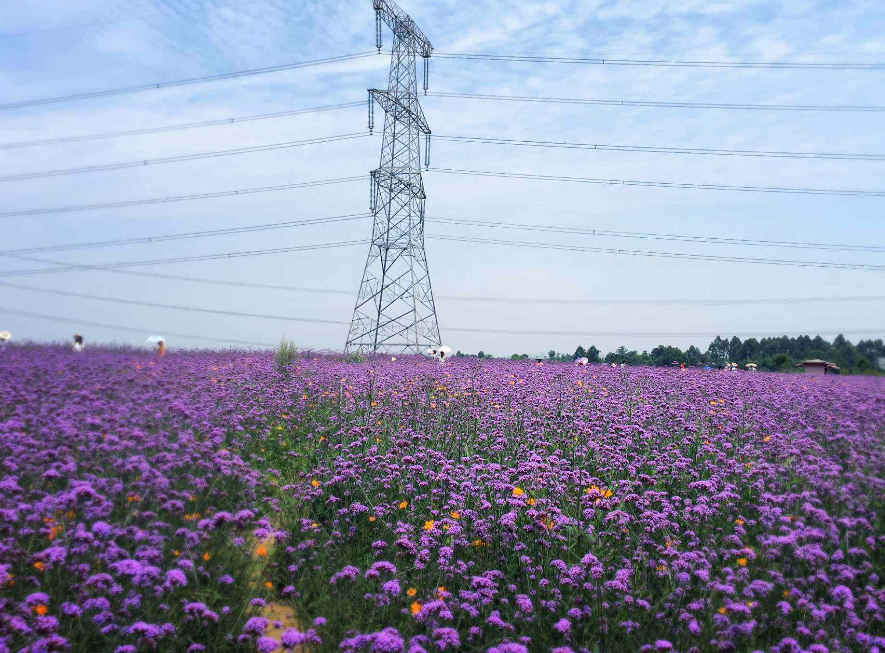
394 311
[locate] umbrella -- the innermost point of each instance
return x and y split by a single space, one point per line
581 361
155 340
5 335
431 351
445 350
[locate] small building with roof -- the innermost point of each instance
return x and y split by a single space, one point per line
819 367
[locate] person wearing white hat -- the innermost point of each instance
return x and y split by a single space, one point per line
78 343
5 337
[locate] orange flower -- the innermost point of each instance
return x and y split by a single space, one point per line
786 594
268 584
40 610
415 608
53 531
530 502
518 492
478 542
455 514
403 505
429 524
661 567
176 553
315 483
206 556
742 562
261 551
411 592
721 610
39 566
766 438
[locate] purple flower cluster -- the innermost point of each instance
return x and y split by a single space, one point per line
498 507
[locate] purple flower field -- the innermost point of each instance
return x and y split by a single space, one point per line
207 502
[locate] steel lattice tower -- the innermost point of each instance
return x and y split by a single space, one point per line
394 310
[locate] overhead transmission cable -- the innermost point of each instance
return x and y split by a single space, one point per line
664 184
181 198
174 307
187 235
184 82
573 301
452 171
103 325
527 332
660 104
667 63
184 259
500 225
485 140
183 157
654 254
180 126
68 267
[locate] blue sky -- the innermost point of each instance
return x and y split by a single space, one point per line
51 49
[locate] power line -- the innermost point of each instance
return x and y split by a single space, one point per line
667 63
179 127
184 82
712 240
505 300
666 184
455 329
182 157
487 241
662 150
174 307
102 325
186 235
184 259
671 255
657 104
662 334
182 198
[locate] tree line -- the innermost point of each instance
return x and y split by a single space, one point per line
775 354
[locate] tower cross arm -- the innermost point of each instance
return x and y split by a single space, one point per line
403 26
401 112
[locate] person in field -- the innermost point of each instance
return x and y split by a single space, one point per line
160 343
78 343
5 337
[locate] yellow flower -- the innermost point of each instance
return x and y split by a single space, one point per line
739 522
428 525
415 608
403 505
314 525
518 492
529 502
374 403
766 438
742 562
261 551
721 610
455 514
411 592
371 518
661 567
315 483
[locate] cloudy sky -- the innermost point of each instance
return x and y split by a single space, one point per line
51 49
